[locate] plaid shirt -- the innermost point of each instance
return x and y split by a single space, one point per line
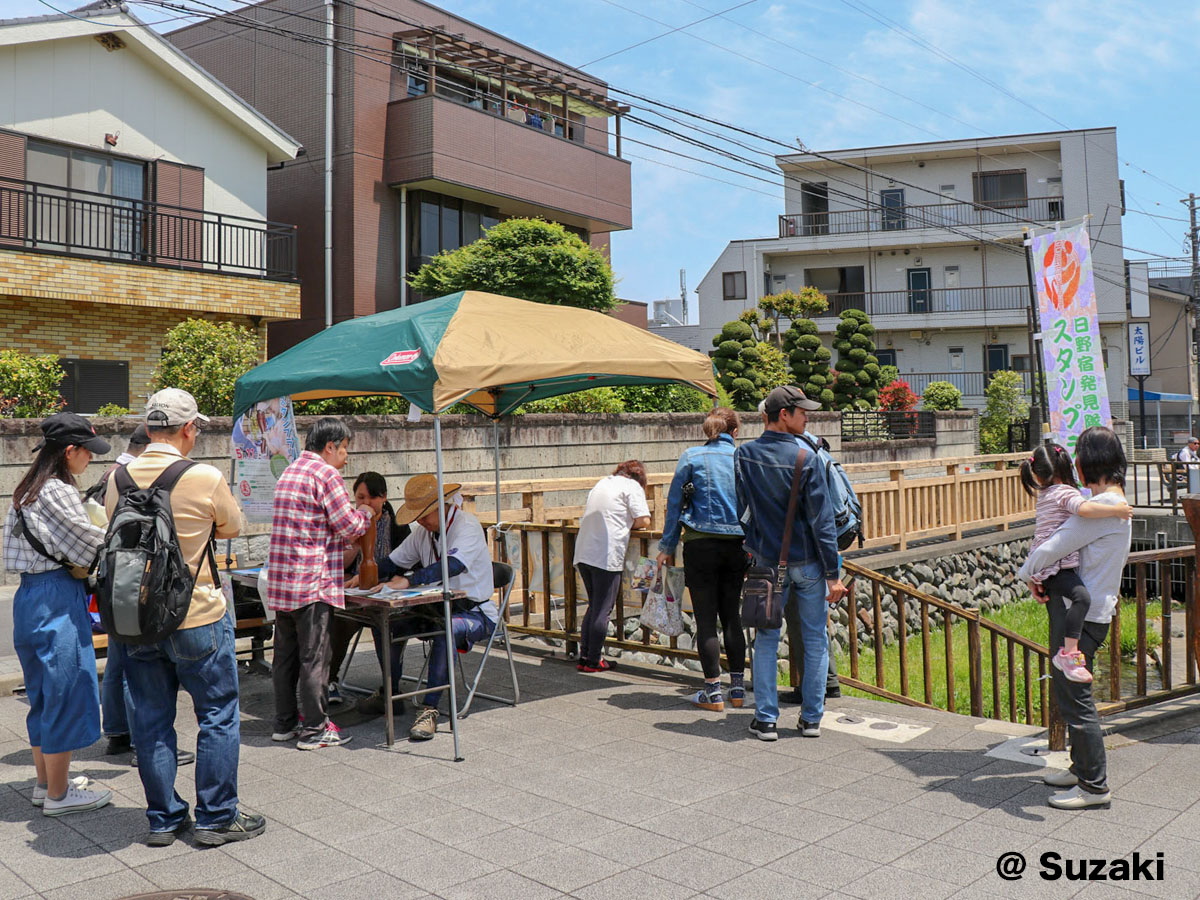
312 523
57 519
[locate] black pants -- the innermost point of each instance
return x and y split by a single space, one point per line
301 666
602 587
713 570
341 634
1067 584
1075 703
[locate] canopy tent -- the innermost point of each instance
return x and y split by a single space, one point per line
491 352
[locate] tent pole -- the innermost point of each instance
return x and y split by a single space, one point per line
496 435
447 611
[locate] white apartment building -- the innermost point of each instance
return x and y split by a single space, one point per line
927 239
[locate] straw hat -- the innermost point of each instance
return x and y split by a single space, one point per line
420 497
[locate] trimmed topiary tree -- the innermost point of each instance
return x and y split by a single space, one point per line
809 361
856 385
739 365
941 395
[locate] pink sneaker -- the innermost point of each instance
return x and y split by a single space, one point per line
1072 665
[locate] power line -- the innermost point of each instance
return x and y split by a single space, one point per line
665 34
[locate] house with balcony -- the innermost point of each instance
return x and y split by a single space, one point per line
927 239
441 128
133 195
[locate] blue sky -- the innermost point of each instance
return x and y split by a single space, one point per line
831 74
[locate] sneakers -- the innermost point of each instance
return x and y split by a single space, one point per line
809 729
182 758
1073 665
1060 778
334 693
39 790
603 666
425 727
117 744
75 800
373 705
737 696
282 736
712 700
1078 798
167 838
764 731
330 737
243 827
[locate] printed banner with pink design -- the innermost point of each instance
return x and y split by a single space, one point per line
1071 350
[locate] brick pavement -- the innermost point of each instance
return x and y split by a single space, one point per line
606 787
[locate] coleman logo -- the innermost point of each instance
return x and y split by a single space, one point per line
402 357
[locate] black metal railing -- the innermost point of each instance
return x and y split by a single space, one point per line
932 215
887 425
922 301
37 216
1161 484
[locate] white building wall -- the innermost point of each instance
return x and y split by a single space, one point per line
74 90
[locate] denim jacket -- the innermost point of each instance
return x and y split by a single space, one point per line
713 509
763 477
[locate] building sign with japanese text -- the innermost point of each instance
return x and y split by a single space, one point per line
1139 348
1074 363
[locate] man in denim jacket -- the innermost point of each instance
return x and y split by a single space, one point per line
763 477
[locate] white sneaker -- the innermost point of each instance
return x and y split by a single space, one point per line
1078 798
1060 778
280 736
76 800
39 791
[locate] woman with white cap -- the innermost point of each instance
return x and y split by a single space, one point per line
49 539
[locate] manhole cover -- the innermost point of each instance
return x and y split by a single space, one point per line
189 894
850 720
1036 751
884 726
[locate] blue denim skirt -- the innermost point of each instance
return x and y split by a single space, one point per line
52 634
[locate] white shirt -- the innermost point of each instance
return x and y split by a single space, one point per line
603 538
1186 455
466 542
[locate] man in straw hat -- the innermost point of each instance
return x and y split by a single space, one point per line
470 567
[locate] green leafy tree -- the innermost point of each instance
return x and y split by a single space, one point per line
941 395
888 374
116 410
856 385
595 400
530 259
791 305
809 360
738 359
760 324
29 385
662 398
353 406
1006 404
205 359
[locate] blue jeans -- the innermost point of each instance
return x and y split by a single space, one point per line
468 627
804 595
115 703
202 661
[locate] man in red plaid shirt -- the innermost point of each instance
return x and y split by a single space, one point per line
313 521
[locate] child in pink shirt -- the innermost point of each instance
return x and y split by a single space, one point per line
1049 476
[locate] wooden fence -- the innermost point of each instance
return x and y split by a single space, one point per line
902 502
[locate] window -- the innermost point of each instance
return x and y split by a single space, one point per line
88 384
1020 362
1000 190
733 285
437 222
886 357
1054 205
814 205
891 202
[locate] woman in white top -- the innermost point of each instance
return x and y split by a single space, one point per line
46 533
615 506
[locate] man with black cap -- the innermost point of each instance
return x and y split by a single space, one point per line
763 473
199 656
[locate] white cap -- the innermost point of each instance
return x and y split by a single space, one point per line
171 407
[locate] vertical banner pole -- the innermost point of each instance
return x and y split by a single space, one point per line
446 606
1039 393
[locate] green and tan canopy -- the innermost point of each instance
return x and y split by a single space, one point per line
489 351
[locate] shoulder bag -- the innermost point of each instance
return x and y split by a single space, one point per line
762 588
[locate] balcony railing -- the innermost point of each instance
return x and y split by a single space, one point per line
910 218
920 301
100 226
971 384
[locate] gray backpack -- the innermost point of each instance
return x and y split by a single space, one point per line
144 585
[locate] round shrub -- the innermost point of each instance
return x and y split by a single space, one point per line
857 355
942 395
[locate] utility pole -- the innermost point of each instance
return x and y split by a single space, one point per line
683 294
1194 238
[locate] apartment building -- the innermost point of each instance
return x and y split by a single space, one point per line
133 195
441 128
926 238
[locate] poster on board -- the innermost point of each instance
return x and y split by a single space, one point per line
1071 347
264 444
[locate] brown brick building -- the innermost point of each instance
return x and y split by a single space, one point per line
441 128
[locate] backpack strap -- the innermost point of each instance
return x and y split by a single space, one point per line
22 530
801 455
170 476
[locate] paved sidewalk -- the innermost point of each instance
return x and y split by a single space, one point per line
610 787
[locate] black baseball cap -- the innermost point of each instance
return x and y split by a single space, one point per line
67 428
788 397
140 436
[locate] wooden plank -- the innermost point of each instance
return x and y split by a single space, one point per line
949 632
975 667
994 641
926 661
1189 618
902 626
852 625
877 608
1164 589
884 693
1141 629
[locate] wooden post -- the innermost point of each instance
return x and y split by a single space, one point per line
1056 731
975 666
897 476
1191 509
535 502
618 137
432 64
957 500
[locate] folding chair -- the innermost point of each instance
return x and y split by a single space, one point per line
502 576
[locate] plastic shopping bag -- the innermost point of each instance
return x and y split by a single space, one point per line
662 610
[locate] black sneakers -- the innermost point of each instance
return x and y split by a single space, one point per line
167 838
809 729
242 827
764 731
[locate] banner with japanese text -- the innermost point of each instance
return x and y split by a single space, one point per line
1071 349
264 444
